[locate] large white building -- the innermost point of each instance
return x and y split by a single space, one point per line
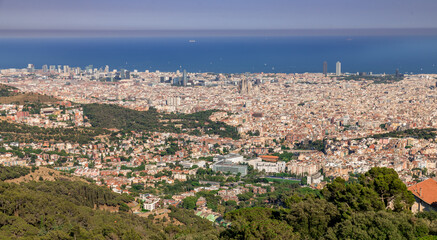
268 167
338 68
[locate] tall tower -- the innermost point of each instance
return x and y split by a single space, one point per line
184 78
245 86
325 68
338 68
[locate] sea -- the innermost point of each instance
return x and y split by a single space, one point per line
293 54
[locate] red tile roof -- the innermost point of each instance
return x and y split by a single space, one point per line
426 190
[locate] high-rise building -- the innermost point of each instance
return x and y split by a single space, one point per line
89 69
173 101
30 68
184 78
124 74
45 68
325 68
52 68
338 68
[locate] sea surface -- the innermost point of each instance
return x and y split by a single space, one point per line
410 54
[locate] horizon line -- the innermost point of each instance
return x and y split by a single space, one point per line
25 33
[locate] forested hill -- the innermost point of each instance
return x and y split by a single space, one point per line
113 116
24 133
375 207
66 210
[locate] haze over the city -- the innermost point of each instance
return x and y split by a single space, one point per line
172 15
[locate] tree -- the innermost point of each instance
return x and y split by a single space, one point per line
386 182
189 202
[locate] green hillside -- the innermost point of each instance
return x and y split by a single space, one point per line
113 116
25 133
375 207
66 210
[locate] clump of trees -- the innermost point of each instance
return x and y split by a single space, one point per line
425 133
25 133
375 207
68 210
12 172
318 145
113 116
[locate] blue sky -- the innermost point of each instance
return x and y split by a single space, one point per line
215 14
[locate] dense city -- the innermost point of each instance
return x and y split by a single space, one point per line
218 142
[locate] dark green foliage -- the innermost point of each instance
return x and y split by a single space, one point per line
426 133
113 116
431 219
345 211
6 91
375 79
318 145
386 183
189 202
80 193
255 133
196 227
66 210
25 133
286 156
257 223
245 196
352 197
380 225
12 172
212 200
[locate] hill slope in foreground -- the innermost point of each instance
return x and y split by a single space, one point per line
66 209
375 207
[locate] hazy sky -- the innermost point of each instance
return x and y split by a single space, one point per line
215 14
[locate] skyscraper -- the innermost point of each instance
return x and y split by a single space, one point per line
30 68
184 78
338 68
325 68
